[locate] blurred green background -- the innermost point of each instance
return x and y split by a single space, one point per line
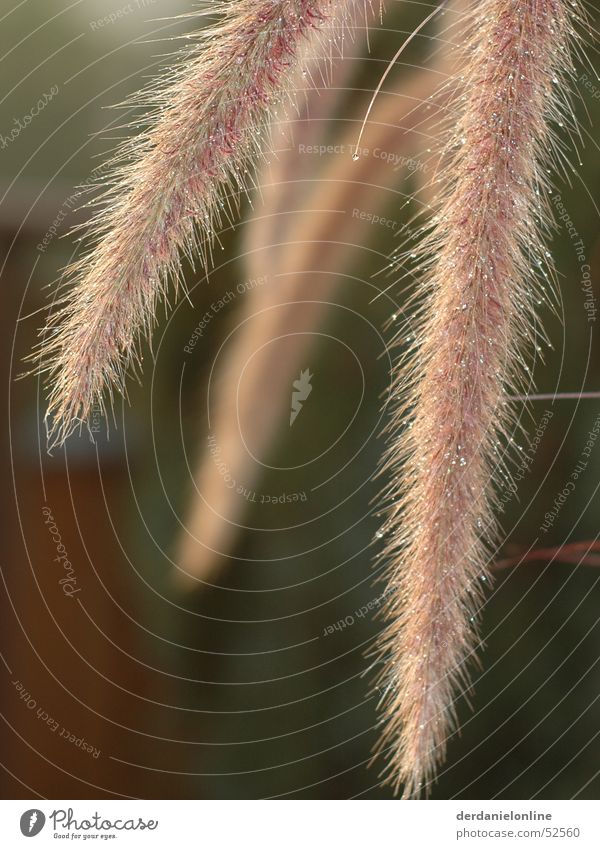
219 674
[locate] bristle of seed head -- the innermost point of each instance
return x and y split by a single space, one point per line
482 263
175 185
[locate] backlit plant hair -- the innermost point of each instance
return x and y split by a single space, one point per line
479 277
173 189
482 267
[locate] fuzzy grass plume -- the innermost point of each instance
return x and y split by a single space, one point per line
207 129
475 322
292 247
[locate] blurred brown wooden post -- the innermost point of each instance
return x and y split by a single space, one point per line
53 650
